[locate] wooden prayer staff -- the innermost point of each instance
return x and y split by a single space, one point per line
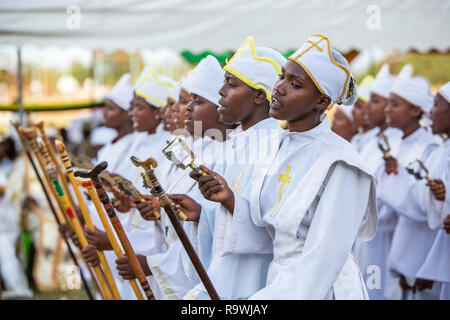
103 196
30 134
151 181
53 175
49 147
86 183
86 215
52 208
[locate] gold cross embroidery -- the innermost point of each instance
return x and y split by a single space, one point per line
313 45
283 178
237 182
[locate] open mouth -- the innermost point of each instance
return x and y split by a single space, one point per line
275 103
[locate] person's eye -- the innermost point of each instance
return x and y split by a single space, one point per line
281 76
295 85
230 84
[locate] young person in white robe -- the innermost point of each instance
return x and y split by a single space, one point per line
410 99
11 175
360 139
435 271
297 200
249 79
372 256
173 270
117 105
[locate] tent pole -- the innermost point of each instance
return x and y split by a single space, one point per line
22 115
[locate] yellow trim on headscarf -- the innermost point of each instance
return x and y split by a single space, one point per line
314 45
251 43
159 103
157 81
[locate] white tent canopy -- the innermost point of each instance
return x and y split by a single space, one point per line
216 25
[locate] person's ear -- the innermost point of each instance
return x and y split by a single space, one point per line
260 97
322 103
416 111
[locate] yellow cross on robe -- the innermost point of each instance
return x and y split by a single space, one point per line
283 178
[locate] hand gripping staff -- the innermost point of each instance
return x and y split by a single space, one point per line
94 176
52 173
151 180
52 208
87 184
86 215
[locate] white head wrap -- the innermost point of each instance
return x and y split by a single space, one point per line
328 69
415 90
153 87
258 67
383 82
122 92
206 79
102 135
347 110
174 93
364 88
445 91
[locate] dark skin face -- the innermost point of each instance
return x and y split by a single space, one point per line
117 118
375 111
401 114
440 115
359 115
240 103
296 99
343 126
167 114
200 109
179 109
144 116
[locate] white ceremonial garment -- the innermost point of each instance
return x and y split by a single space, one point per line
10 267
372 255
437 264
360 140
412 238
312 219
238 276
173 270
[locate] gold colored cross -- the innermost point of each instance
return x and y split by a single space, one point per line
313 45
283 178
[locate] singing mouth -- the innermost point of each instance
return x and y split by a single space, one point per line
275 103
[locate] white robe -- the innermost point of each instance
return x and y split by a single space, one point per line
326 202
172 270
238 276
412 238
437 264
360 140
372 255
10 267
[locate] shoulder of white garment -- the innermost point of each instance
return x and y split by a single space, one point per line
333 149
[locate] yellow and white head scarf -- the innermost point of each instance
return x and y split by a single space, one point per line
206 79
153 87
258 67
122 92
328 69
